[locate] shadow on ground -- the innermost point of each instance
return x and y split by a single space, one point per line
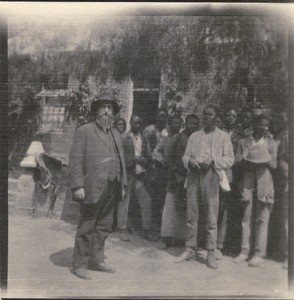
62 258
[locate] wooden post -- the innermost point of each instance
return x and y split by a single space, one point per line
3 154
291 162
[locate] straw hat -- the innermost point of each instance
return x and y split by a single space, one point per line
258 154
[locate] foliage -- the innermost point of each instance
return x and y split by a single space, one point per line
230 61
224 54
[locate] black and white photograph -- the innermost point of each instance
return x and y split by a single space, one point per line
149 150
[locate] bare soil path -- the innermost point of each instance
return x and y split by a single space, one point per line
40 253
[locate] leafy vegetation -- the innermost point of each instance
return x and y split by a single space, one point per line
230 61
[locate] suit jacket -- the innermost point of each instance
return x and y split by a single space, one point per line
222 152
257 172
89 161
175 149
235 135
222 149
281 172
129 152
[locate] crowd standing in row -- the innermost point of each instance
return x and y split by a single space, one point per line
211 187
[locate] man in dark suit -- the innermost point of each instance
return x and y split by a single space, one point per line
97 175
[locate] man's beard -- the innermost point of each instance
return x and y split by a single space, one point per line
105 120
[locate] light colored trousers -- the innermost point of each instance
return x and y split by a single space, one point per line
202 191
256 217
135 188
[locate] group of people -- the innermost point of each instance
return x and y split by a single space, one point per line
211 186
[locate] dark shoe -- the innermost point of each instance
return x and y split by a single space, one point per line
134 231
211 261
188 254
103 267
82 273
163 244
154 236
124 236
146 234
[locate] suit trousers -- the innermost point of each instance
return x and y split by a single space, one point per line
94 226
224 200
155 183
135 188
256 218
202 191
229 220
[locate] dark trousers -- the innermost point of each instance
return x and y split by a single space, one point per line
94 225
155 184
229 220
278 227
222 221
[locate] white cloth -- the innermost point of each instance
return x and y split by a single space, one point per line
173 220
223 180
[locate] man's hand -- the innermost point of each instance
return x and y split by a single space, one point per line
205 165
79 194
208 161
123 193
192 164
137 159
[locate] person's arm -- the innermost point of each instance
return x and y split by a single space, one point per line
76 164
146 138
129 157
239 157
227 159
179 154
188 160
170 152
273 149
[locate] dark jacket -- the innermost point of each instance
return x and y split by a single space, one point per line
280 174
261 173
175 149
129 152
89 161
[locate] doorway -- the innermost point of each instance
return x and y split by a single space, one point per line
145 105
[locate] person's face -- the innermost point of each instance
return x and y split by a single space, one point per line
209 118
192 125
278 124
246 119
261 127
161 118
231 117
176 125
136 125
105 113
219 123
284 117
121 126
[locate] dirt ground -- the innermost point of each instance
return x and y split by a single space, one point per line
40 254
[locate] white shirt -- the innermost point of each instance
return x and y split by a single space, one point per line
137 141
